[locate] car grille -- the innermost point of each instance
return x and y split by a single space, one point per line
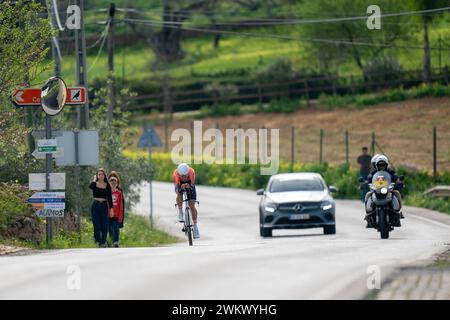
293 207
311 220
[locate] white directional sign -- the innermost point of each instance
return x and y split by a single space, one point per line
50 213
47 146
36 181
58 154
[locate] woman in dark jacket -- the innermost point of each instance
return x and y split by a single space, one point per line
101 207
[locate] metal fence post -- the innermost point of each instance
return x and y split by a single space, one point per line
292 147
321 145
434 153
346 147
372 149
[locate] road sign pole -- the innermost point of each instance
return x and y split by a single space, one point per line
151 177
77 178
48 170
80 50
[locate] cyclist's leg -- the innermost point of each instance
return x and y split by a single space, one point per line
193 211
192 196
179 199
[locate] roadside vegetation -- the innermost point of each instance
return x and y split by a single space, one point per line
248 176
327 102
137 232
220 62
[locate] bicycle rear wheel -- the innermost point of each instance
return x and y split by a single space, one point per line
189 226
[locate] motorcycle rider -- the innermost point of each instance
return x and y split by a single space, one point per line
381 163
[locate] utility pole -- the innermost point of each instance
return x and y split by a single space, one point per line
111 102
81 70
82 112
48 135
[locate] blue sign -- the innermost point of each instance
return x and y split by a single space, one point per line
149 135
45 200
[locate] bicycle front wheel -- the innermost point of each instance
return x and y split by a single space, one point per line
189 227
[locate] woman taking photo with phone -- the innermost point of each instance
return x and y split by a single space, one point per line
101 207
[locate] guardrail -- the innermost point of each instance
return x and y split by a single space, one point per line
438 191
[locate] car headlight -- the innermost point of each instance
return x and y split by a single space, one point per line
327 205
384 190
270 207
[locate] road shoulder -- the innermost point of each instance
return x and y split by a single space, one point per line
430 282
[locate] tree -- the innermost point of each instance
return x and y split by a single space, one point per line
165 38
166 43
426 19
23 38
342 40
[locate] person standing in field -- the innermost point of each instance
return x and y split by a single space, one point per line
364 168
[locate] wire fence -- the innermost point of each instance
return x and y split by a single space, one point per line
424 149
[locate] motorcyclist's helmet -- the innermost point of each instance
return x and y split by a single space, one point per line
381 163
374 160
183 169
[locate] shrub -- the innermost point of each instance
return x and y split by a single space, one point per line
233 109
280 70
329 102
284 105
13 203
382 69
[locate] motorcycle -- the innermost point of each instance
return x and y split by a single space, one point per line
384 217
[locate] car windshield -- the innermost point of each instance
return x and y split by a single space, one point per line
281 185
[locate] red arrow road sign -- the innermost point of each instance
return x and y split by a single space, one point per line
27 97
32 97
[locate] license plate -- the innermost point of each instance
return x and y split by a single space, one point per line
299 217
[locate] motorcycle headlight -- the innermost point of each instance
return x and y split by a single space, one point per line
327 205
384 190
270 207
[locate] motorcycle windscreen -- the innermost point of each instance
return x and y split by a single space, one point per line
381 179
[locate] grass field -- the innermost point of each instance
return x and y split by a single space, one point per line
403 131
235 53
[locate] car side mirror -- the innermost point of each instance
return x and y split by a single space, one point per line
332 189
260 192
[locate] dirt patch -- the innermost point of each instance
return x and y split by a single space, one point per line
403 130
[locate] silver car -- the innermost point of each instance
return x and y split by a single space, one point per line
296 201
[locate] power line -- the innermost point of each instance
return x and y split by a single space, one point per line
101 46
103 34
309 21
281 37
56 14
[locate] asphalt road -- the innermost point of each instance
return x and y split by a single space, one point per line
230 261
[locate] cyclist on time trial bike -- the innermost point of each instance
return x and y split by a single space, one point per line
184 179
